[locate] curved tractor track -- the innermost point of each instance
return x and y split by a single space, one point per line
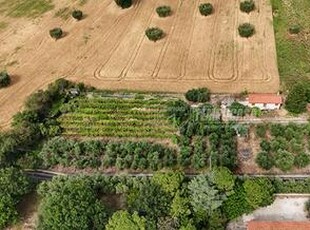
108 49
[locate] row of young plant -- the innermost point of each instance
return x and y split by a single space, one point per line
286 147
103 154
116 117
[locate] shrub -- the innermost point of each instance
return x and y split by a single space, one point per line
255 111
297 99
247 6
77 14
123 3
246 30
154 33
294 29
5 79
198 95
302 160
205 9
265 145
259 192
56 33
264 160
163 11
261 130
237 109
284 160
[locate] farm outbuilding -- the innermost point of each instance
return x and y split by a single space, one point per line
265 101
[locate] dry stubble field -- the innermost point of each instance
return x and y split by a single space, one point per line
108 49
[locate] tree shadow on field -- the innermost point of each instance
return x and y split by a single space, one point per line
14 79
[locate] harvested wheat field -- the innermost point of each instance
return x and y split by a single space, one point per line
109 49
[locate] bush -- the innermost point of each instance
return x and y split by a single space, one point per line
264 160
294 29
56 33
237 109
246 30
297 98
205 9
5 79
163 11
247 6
284 160
77 14
302 160
259 192
255 111
261 130
154 33
198 95
123 3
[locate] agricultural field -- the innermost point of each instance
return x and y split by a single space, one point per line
117 117
293 50
109 49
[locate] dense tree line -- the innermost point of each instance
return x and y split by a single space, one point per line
164 201
96 154
36 122
298 97
13 185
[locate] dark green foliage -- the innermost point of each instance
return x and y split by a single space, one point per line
284 160
96 153
70 203
149 200
178 111
77 14
247 6
261 130
154 33
302 160
258 192
296 101
246 30
217 221
236 204
198 95
237 109
56 33
294 29
307 208
292 186
264 160
13 185
205 9
5 79
163 11
123 3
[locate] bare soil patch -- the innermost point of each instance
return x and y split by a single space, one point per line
108 49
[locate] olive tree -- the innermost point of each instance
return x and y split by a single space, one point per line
5 79
56 33
205 9
154 33
246 30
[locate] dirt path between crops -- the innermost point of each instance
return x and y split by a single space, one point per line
108 49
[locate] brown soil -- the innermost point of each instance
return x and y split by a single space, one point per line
108 49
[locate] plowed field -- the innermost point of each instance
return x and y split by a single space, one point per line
108 49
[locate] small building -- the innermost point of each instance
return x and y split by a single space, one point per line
278 225
265 101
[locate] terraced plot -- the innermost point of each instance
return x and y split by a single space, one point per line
117 117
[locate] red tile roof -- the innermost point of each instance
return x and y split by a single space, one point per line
278 225
267 98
